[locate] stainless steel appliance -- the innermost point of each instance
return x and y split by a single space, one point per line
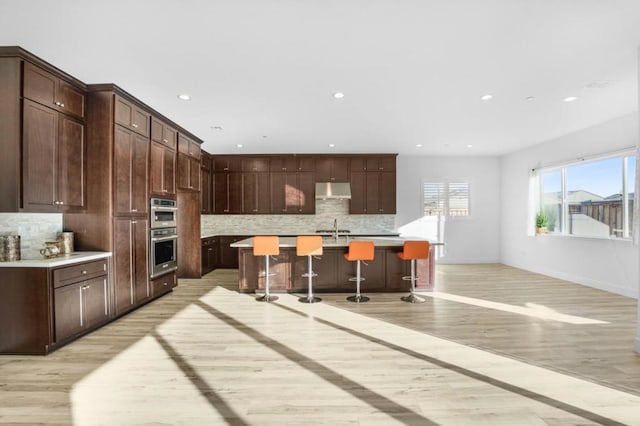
163 251
163 213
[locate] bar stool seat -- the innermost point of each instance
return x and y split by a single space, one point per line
359 251
413 250
266 246
309 246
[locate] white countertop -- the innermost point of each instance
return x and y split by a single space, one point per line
340 242
62 260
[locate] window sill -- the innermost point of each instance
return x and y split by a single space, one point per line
583 237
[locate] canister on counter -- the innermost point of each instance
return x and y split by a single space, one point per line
3 248
12 248
66 242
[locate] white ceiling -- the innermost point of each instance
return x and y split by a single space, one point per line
412 71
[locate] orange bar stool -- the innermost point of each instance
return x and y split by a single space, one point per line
359 251
309 245
266 246
413 250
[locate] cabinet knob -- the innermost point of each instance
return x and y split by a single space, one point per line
57 103
134 125
134 210
165 140
62 105
84 272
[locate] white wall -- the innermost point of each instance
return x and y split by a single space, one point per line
467 240
605 264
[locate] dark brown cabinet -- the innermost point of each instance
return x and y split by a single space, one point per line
252 268
227 164
163 284
255 193
188 147
323 265
188 173
162 159
162 170
206 184
373 185
53 92
227 192
132 117
131 272
255 164
228 257
53 161
332 169
373 272
131 152
209 254
292 193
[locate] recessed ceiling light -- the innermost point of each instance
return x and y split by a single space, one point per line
218 128
530 98
469 146
239 145
264 136
184 97
419 145
570 98
338 95
331 145
486 97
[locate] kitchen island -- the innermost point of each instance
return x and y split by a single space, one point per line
383 274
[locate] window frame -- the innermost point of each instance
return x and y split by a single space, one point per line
447 197
628 214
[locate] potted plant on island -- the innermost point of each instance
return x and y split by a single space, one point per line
542 220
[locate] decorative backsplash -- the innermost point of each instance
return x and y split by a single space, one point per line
326 212
34 229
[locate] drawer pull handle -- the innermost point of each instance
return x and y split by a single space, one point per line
84 272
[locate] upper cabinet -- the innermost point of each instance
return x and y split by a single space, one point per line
132 117
53 92
332 169
162 159
188 147
373 185
163 133
43 160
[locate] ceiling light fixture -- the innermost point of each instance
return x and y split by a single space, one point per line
184 97
530 98
332 145
469 146
570 98
419 145
218 128
338 95
239 145
486 97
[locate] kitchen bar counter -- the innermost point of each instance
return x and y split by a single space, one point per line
61 260
383 274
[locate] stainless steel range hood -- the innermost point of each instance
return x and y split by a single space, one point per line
333 190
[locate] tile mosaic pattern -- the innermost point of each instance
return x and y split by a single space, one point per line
34 229
326 212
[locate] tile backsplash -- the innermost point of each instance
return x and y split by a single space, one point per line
34 229
326 212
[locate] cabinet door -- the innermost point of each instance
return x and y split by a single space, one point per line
358 202
255 193
162 170
188 173
323 170
340 169
68 311
188 147
194 174
163 134
306 193
372 195
141 260
48 90
163 284
277 182
130 168
206 195
95 298
71 99
71 175
124 260
40 132
132 117
387 200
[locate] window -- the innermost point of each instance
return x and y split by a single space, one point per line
449 199
593 198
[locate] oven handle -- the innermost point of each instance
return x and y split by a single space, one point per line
164 208
171 237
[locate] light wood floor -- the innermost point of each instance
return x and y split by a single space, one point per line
491 345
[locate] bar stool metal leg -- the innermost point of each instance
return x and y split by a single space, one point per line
310 274
412 298
266 297
358 298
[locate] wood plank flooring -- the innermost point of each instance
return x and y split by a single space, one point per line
491 345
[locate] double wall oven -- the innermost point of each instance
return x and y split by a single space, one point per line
164 237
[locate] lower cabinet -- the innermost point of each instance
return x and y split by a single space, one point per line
228 257
252 271
131 260
209 254
80 306
163 284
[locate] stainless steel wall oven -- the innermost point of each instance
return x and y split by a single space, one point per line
163 253
163 213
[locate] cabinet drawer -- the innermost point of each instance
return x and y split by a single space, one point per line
163 284
79 272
